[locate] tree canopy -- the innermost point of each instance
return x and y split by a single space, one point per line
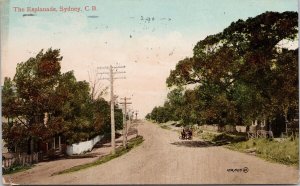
243 73
41 102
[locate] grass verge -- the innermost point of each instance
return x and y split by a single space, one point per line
284 152
222 138
165 127
119 152
16 168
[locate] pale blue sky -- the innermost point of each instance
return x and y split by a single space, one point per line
118 35
187 16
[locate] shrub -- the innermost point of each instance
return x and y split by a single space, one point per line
285 152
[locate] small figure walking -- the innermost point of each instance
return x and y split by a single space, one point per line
183 134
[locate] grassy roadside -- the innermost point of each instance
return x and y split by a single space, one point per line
161 125
17 168
165 127
119 152
284 152
221 137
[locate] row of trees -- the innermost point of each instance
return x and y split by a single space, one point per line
241 74
41 102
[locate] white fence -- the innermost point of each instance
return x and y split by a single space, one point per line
21 160
240 128
213 128
79 148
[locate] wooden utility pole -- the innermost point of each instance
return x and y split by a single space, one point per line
112 71
125 130
130 114
136 113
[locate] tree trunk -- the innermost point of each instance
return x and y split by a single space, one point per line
285 119
31 146
28 146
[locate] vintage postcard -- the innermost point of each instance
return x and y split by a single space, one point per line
149 92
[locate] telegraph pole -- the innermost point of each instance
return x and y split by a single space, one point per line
136 113
112 71
125 103
130 114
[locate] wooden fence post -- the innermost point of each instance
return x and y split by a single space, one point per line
59 143
22 160
54 143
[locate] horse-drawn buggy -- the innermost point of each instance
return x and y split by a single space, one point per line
186 134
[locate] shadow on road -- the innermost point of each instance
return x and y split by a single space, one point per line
199 144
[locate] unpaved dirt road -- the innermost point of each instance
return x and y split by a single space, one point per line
164 159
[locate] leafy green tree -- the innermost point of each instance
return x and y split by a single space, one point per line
148 116
12 132
176 103
9 97
243 73
41 102
35 81
160 114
